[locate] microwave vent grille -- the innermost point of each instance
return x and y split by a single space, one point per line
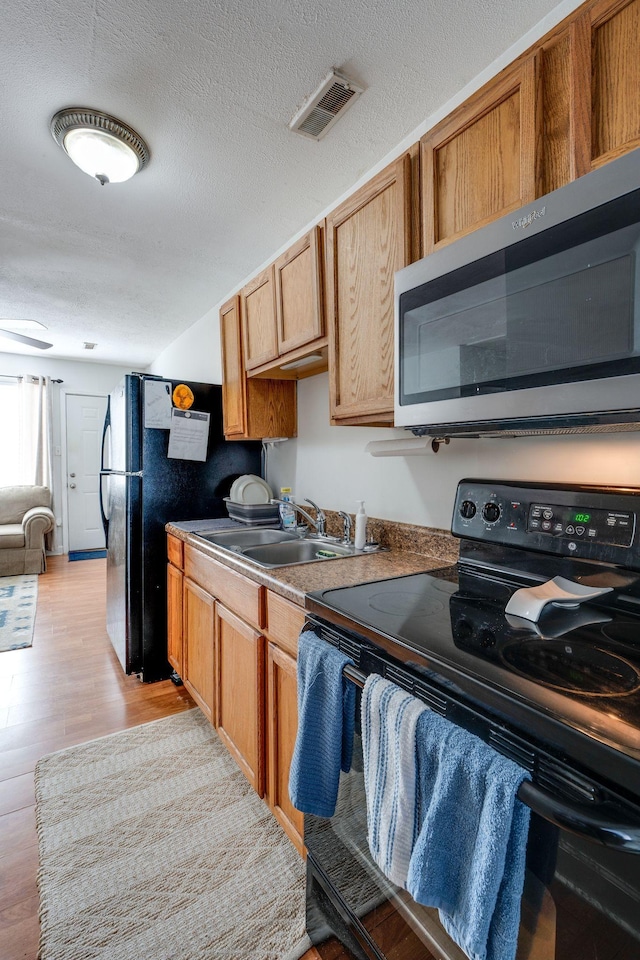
504 430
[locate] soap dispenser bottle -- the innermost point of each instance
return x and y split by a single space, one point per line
361 527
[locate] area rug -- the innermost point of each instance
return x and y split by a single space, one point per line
18 598
153 845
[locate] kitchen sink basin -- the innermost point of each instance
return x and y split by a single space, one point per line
297 551
239 539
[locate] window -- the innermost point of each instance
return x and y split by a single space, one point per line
10 471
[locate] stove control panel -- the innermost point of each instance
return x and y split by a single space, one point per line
595 523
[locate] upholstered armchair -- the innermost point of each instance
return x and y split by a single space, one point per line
25 519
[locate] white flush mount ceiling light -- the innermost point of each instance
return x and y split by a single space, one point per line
105 148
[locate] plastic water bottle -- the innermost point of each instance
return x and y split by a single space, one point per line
287 513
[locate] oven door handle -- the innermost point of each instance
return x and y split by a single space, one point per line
609 825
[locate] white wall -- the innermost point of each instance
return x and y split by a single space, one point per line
195 355
97 379
329 465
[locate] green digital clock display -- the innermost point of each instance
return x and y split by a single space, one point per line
581 517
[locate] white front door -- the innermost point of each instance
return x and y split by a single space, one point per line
84 421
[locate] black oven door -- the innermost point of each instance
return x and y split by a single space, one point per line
581 899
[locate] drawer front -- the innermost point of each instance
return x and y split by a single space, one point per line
231 588
175 551
284 622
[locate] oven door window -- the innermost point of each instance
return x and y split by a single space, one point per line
580 900
553 308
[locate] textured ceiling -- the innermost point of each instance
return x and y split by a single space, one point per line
211 86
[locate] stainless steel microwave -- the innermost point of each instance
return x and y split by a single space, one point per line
530 324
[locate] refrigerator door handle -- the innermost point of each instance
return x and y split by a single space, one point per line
106 431
122 473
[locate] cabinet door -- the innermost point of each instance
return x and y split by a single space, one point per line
234 413
258 307
480 162
612 33
240 694
368 239
299 293
251 409
282 726
174 618
198 646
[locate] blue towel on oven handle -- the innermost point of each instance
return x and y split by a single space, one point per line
326 720
389 719
469 857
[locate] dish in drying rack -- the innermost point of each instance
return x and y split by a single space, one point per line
250 489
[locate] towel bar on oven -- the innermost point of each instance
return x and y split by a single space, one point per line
621 832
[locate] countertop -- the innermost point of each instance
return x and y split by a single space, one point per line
293 582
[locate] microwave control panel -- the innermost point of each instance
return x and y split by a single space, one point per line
594 523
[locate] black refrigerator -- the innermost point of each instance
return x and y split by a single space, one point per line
142 489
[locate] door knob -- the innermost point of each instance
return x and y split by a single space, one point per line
72 486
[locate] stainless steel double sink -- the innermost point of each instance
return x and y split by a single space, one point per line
277 548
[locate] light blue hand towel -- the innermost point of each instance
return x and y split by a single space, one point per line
469 858
326 718
389 717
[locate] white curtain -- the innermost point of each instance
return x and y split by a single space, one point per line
35 454
35 431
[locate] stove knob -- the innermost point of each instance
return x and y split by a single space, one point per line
491 512
463 630
487 638
468 509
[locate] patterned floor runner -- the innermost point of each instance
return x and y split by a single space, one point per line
18 598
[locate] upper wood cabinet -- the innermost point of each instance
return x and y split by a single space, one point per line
258 305
283 314
252 409
566 106
368 238
299 294
608 74
480 162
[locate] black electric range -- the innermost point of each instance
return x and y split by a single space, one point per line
571 679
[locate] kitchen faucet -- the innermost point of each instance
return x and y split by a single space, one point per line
346 526
318 524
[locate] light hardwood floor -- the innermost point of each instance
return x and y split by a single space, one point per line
65 689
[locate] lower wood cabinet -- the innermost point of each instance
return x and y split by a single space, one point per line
198 646
284 623
174 618
282 725
239 674
234 644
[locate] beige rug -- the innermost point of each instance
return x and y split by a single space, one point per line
153 846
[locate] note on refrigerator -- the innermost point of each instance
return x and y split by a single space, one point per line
157 404
188 435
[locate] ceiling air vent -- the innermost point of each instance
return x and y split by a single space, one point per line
323 108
